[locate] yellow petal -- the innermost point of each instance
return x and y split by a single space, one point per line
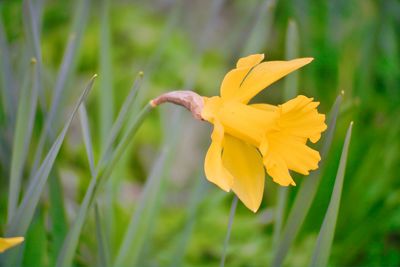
244 162
6 243
246 122
275 165
265 74
296 155
285 149
266 107
211 108
213 167
299 117
249 61
233 79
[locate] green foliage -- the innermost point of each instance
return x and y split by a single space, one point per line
125 187
325 237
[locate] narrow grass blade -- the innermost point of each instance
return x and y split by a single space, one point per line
103 252
290 91
246 29
171 23
137 229
261 29
38 4
102 172
70 244
291 52
8 85
21 220
192 208
105 170
32 29
4 149
151 65
32 19
108 145
122 115
327 232
141 220
385 154
306 194
202 41
106 97
59 225
35 242
67 65
279 213
22 137
87 139
229 230
199 50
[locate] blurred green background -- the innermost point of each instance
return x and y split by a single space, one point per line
179 219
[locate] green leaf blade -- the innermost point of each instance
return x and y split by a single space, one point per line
106 97
8 95
20 222
306 194
144 215
291 52
67 65
261 28
23 133
103 171
103 254
327 232
57 212
122 116
87 139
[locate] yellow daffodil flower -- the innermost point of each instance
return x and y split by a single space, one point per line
250 137
6 243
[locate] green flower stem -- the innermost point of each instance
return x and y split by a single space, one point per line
229 230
